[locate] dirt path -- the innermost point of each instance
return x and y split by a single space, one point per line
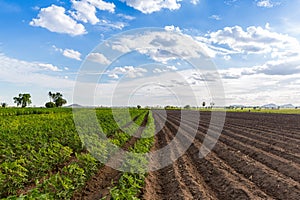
106 178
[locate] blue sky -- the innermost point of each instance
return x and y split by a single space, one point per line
253 43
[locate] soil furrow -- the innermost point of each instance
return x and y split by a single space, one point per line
273 158
222 178
260 174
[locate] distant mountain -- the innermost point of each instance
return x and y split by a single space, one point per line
237 106
287 106
271 105
74 106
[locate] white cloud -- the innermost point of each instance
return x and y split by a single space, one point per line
157 70
227 57
166 69
195 2
49 67
280 67
102 5
216 17
106 24
32 73
127 17
266 3
99 58
172 28
252 40
161 46
150 6
128 71
113 76
172 68
286 66
84 12
70 53
271 88
276 73
54 19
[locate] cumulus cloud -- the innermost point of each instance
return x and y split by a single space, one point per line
195 2
70 53
99 58
281 51
48 66
215 17
166 69
85 10
150 6
102 5
32 73
252 40
172 67
128 71
127 17
106 24
161 46
172 28
56 20
280 67
266 3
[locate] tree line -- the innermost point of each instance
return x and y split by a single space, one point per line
24 100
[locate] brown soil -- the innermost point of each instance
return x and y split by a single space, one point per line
257 156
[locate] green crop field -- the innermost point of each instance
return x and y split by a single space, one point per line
43 157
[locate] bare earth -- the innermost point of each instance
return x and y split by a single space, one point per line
257 157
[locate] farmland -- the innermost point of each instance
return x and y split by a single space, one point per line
256 157
42 156
41 153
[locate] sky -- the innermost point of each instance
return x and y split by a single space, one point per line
252 46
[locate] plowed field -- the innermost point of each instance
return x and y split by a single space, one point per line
257 156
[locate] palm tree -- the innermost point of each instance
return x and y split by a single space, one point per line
51 96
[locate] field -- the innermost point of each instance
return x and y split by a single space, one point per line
42 155
257 156
257 110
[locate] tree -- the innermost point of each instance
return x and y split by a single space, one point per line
187 107
50 105
59 102
203 104
23 100
51 96
3 105
138 106
57 98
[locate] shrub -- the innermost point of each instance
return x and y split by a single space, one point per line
50 105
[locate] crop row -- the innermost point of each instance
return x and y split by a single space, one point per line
44 152
132 181
30 111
